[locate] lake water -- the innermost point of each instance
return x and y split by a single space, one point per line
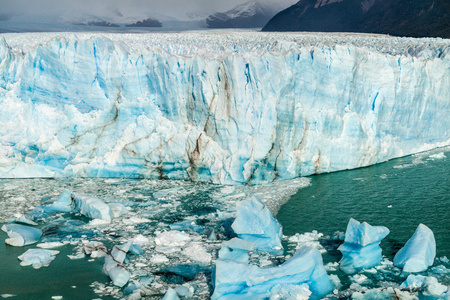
398 194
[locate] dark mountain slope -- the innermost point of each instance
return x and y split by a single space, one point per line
416 18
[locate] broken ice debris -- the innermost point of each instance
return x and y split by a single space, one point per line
21 235
171 294
236 250
88 206
427 286
38 257
95 249
115 270
361 248
234 279
419 251
255 223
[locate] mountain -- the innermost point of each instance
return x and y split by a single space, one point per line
248 15
414 18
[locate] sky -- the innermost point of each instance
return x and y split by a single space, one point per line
117 10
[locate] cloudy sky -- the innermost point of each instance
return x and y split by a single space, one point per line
114 10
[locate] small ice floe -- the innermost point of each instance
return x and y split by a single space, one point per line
419 251
197 252
57 297
21 219
95 249
361 248
50 245
383 176
38 257
116 271
255 223
7 295
21 235
135 220
118 209
172 238
159 259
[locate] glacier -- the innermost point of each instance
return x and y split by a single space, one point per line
228 108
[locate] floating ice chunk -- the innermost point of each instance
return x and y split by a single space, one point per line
64 203
234 279
38 257
140 240
172 238
364 234
91 207
136 220
21 235
428 286
171 294
185 290
118 274
197 252
136 249
236 249
419 251
378 293
7 295
119 253
50 245
361 248
118 209
95 249
159 259
21 219
255 223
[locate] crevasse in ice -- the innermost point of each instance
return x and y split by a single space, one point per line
361 248
255 223
213 106
419 251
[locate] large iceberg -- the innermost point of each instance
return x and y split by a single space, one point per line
301 274
255 223
361 248
419 251
214 106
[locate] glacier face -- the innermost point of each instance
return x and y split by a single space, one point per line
221 107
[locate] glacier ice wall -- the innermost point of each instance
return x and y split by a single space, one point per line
219 107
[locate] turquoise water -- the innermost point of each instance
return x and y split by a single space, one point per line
399 194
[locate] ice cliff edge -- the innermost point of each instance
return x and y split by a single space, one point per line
225 108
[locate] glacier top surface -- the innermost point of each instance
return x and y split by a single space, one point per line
224 42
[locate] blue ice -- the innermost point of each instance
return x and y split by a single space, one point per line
236 250
21 235
361 248
115 270
171 294
38 257
255 223
419 251
235 280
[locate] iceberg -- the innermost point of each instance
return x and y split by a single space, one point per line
361 248
255 223
304 270
21 235
419 251
38 257
213 106
236 250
